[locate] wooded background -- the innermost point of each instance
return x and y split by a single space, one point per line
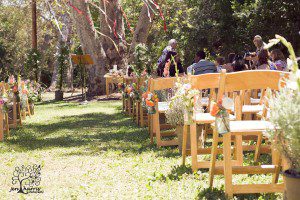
101 29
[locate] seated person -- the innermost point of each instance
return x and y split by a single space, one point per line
202 66
170 48
228 66
278 60
263 60
161 66
239 64
179 67
220 61
259 44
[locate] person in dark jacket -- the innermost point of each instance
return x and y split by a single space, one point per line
203 66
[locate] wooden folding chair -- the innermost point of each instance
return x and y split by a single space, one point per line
139 110
155 127
26 110
15 118
4 127
247 80
201 82
128 102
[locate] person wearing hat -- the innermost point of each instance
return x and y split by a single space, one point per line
169 50
259 44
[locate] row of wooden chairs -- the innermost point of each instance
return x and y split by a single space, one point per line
133 107
238 86
14 116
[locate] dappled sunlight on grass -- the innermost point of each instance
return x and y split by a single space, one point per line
94 151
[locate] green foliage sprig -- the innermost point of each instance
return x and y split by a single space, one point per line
285 109
141 59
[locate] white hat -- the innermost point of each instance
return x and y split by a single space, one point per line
172 41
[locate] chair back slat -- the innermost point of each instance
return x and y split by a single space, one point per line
249 80
205 81
162 83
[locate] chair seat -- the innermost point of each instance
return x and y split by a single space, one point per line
250 126
255 101
207 118
163 107
252 108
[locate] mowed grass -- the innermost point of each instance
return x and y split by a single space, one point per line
96 152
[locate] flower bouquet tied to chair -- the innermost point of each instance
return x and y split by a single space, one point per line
220 110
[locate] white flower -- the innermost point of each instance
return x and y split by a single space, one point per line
292 85
227 103
289 63
187 86
298 74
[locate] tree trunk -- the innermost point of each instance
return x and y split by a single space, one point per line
113 27
54 78
90 45
70 77
143 27
110 49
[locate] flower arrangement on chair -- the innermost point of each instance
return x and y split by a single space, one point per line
148 100
220 110
4 102
284 114
135 94
184 94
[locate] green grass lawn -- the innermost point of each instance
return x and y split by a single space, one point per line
96 152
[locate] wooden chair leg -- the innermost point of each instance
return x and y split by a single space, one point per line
129 106
213 157
157 129
239 149
28 108
14 114
203 135
141 115
151 128
184 141
107 89
257 149
137 112
1 125
125 106
194 146
133 109
7 125
20 118
227 164
277 162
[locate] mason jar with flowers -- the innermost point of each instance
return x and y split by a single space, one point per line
220 110
149 100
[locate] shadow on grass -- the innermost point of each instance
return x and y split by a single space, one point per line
91 133
215 193
211 194
176 174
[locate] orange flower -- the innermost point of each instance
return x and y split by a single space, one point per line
145 95
129 90
214 109
150 103
220 101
